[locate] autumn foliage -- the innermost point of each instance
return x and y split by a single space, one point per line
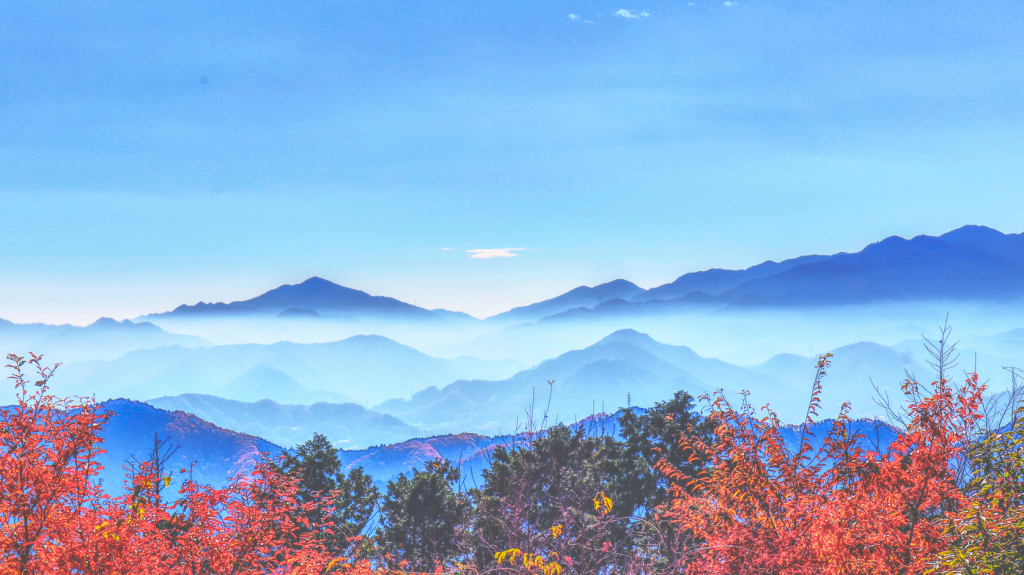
840 508
54 519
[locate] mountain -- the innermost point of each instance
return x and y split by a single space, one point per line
894 269
1009 246
972 263
15 337
346 424
107 339
624 367
217 454
265 382
581 297
309 299
693 302
104 339
363 368
989 356
854 369
717 281
386 461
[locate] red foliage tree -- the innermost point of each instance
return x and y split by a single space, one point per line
838 509
54 519
48 448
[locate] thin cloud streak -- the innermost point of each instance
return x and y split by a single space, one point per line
488 253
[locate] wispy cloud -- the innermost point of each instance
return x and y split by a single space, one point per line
728 3
623 13
488 253
573 17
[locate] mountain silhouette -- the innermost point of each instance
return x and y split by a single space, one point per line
582 296
315 296
894 269
717 281
972 263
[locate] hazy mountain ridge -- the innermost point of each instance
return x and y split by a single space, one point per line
364 368
855 370
103 339
623 367
346 424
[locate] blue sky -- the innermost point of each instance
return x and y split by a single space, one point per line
156 154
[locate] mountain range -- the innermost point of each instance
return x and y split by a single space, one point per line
348 425
924 268
623 368
972 263
104 339
631 368
360 368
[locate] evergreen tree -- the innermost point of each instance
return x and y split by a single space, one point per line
542 496
651 435
422 517
353 496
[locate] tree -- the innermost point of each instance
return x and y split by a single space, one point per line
352 497
652 435
422 518
156 463
555 496
651 439
48 449
54 519
762 508
988 532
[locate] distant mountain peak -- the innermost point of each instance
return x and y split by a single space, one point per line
109 322
312 297
580 297
619 283
627 335
972 231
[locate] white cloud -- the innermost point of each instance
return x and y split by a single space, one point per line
446 249
488 253
728 3
623 13
573 17
691 4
